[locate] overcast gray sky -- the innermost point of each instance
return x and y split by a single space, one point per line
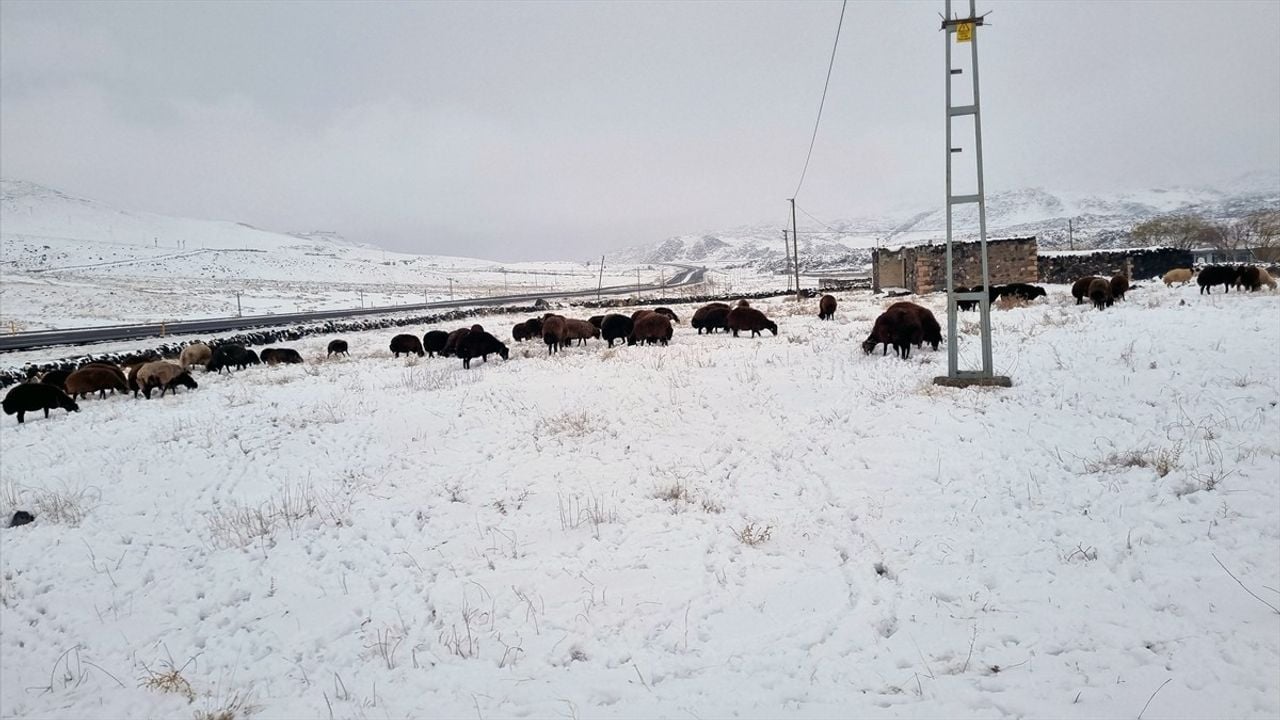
559 130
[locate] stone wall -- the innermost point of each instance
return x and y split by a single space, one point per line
923 268
1138 263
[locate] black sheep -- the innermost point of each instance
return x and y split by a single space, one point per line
481 344
30 397
1249 278
407 344
615 327
1080 290
56 378
827 308
1022 290
597 320
930 330
276 356
668 313
1211 275
339 347
711 317
967 304
434 342
1119 286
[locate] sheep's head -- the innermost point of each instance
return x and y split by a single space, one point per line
868 345
772 327
69 404
503 351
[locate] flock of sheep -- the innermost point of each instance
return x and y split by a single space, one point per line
900 326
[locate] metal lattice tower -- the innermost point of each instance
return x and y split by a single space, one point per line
964 30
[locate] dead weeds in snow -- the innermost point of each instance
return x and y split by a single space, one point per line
753 534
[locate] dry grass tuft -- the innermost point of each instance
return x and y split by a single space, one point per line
753 534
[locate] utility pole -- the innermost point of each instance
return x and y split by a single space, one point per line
1071 237
600 282
965 30
450 288
238 312
795 244
786 269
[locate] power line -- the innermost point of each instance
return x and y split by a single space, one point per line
826 83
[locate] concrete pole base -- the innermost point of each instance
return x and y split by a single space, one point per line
977 381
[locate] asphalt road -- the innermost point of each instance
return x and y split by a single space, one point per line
688 275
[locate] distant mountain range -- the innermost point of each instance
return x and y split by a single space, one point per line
1098 220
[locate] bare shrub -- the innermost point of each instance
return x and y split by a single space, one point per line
753 534
576 511
572 424
67 505
673 492
168 679
236 707
238 525
1162 460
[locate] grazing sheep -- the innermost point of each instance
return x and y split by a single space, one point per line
30 397
748 318
1249 278
580 330
451 343
479 344
434 342
196 354
338 347
930 330
1265 278
1080 290
597 320
1024 291
165 375
97 379
1119 286
553 331
615 327
967 304
407 344
56 378
711 317
534 327
1182 276
276 356
133 377
650 328
639 314
1211 275
225 356
1100 293
827 308
668 313
898 327
743 303
519 333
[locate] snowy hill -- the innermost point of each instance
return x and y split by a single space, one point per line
1099 220
69 261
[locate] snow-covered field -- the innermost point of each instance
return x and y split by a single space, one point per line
773 527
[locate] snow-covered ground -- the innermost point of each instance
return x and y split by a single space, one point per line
773 527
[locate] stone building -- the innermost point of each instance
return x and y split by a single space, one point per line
923 268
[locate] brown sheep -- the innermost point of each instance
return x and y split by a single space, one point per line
165 375
110 367
930 330
744 303
553 332
1119 286
1250 278
196 354
1100 293
95 378
898 327
748 318
580 330
650 328
669 313
827 308
638 314
1080 290
1265 278
1182 276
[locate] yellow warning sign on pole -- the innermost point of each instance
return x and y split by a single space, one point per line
964 32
